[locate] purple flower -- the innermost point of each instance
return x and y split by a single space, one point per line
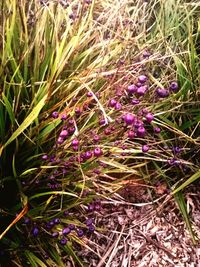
161 92
145 148
55 114
142 78
129 118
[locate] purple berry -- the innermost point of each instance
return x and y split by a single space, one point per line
35 231
63 241
176 150
89 94
77 110
75 148
161 92
44 157
27 221
80 233
142 90
75 142
96 138
88 155
64 117
60 140
145 148
157 130
131 134
55 234
135 101
102 122
129 118
71 226
174 86
64 134
132 89
141 131
149 117
66 213
91 228
56 221
55 114
89 221
142 78
66 231
71 130
112 103
97 152
118 106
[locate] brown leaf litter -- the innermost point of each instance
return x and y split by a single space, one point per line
145 233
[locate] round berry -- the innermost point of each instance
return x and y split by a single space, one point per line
132 89
149 117
157 130
129 118
174 86
55 114
161 92
66 231
141 131
142 78
35 231
97 152
63 241
75 142
112 103
145 148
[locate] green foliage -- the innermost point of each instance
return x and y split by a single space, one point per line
52 56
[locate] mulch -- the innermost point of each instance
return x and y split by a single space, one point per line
145 233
